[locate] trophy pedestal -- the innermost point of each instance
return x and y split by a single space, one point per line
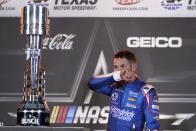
33 113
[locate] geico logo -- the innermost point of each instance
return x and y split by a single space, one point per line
151 42
75 2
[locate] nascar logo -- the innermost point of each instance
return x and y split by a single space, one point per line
79 114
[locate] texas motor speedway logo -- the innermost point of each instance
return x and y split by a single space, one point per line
75 5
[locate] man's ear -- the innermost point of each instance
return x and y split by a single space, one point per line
134 66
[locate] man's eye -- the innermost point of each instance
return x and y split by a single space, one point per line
122 66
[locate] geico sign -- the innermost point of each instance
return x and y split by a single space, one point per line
151 42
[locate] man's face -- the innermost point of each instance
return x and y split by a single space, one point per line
121 64
127 69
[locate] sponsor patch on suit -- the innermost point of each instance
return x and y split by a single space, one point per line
131 99
155 107
133 94
130 105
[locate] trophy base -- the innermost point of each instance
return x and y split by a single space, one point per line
33 116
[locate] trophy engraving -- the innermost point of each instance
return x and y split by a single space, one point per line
33 109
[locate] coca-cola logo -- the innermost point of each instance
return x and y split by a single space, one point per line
59 42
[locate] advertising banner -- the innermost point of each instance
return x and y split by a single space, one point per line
107 8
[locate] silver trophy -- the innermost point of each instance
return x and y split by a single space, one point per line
33 109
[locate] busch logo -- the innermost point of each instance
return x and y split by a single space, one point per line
152 42
29 120
128 2
59 42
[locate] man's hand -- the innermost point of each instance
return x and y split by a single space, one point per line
127 75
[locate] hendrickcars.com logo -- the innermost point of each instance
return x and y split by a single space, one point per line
171 4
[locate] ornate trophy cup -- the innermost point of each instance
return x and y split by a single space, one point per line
33 110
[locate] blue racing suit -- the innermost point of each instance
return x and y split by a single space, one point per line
132 104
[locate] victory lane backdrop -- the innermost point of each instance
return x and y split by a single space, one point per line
79 48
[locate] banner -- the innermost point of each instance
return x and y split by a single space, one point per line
107 8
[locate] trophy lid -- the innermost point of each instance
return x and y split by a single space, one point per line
34 19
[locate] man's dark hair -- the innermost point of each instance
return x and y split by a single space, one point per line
126 54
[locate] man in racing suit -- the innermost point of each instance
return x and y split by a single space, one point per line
133 102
